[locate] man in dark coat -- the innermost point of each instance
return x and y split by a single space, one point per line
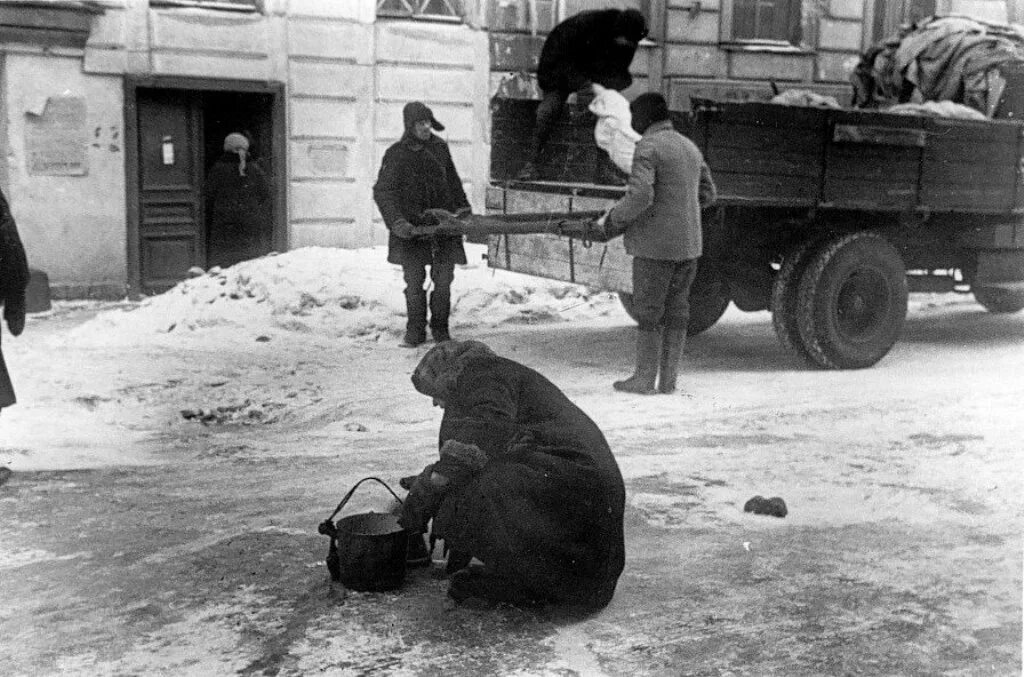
660 215
526 483
592 46
418 174
13 283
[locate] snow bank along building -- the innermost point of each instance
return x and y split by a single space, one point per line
114 109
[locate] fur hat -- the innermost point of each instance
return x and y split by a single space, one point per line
439 369
415 111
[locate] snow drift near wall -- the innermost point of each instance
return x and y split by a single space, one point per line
338 293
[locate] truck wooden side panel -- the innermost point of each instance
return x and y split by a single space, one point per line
785 156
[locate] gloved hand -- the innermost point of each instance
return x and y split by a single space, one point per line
402 229
421 504
14 315
464 212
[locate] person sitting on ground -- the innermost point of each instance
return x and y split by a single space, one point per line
526 483
595 46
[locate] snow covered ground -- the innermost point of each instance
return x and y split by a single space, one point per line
223 419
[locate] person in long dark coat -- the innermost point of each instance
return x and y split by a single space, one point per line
417 174
14 277
595 46
526 483
237 204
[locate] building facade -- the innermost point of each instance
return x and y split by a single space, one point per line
113 110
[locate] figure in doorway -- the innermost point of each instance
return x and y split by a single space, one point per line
237 205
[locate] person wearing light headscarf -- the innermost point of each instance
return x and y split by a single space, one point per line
237 205
525 483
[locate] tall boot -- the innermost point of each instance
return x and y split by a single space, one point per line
672 343
440 310
648 347
416 317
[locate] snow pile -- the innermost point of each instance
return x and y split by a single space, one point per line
338 293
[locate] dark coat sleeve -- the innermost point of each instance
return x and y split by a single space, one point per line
14 273
387 190
455 190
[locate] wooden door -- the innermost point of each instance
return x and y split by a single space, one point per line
171 233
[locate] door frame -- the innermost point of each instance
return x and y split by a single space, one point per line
278 148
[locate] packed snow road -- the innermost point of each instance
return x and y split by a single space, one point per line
172 460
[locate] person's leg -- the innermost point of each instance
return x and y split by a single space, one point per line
441 275
415 304
650 286
677 317
548 111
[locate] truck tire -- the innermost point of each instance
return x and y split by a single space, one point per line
852 301
784 299
709 298
996 300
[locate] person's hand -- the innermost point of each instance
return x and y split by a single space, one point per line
14 315
464 212
421 504
403 229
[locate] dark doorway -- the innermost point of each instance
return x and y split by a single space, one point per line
188 201
238 208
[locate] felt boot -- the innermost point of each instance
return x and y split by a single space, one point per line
672 343
416 317
440 310
648 348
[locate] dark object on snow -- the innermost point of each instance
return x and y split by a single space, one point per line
368 551
5 474
759 505
525 483
14 279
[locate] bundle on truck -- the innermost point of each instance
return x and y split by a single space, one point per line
827 216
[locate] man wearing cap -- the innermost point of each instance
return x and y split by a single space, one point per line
660 216
417 174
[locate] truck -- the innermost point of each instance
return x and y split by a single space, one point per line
827 217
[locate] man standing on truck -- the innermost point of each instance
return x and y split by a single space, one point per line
592 46
660 218
417 174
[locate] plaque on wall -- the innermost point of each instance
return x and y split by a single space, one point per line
56 138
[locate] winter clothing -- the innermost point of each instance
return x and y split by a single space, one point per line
14 276
533 490
239 145
414 111
595 46
660 216
660 213
237 205
648 349
583 49
673 340
417 175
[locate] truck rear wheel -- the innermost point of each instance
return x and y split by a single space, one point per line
709 298
852 301
997 300
785 297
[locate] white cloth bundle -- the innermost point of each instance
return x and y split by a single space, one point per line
614 132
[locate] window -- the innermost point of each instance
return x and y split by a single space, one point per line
231 5
421 9
767 21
